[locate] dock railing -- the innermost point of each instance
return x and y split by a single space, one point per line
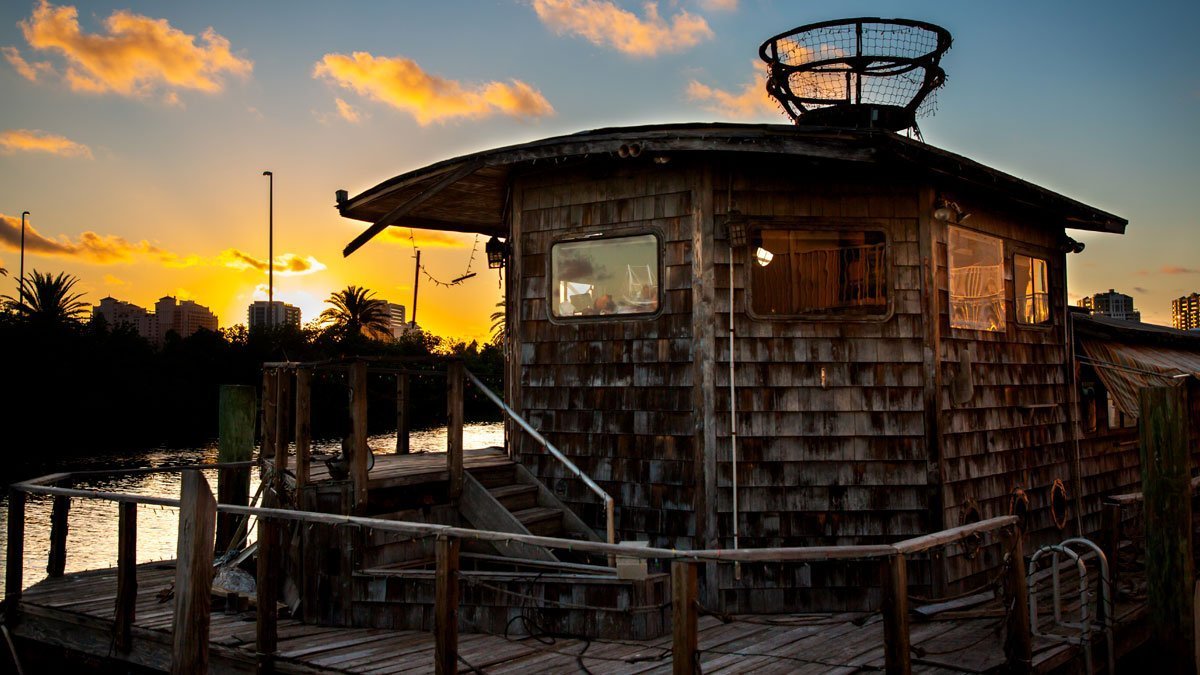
193 581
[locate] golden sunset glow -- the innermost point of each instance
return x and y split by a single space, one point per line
749 102
26 140
608 25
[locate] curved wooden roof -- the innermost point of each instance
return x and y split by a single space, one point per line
469 193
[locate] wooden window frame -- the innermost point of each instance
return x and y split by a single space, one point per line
601 235
1015 249
1005 274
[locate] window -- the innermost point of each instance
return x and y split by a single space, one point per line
604 277
976 280
818 272
1032 293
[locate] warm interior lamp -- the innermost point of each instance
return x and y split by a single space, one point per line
763 257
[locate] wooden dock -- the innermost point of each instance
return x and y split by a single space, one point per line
76 612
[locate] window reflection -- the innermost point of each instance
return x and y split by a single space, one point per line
604 277
1032 297
819 272
976 263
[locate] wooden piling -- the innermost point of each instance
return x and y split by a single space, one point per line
14 568
266 638
445 620
685 590
1018 639
193 576
454 427
894 573
283 433
235 443
126 604
56 562
358 423
267 449
1166 487
402 394
303 426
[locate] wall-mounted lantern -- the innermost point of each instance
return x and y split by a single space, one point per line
497 253
739 229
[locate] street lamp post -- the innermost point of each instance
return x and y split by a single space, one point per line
270 248
21 280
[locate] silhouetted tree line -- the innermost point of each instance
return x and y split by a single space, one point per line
77 386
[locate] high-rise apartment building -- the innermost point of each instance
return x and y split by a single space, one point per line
1111 304
1185 312
399 327
262 314
185 318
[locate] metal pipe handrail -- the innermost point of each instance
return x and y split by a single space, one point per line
609 508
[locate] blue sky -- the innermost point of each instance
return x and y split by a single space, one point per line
1097 100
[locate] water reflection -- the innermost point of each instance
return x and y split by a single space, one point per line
92 531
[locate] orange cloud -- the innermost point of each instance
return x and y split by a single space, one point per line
719 5
135 56
428 238
34 140
91 247
748 102
27 70
348 112
288 264
603 23
402 84
1175 269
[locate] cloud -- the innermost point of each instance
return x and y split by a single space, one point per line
288 264
719 5
348 112
604 24
749 102
91 247
27 70
134 56
35 140
428 238
402 84
112 280
1139 289
1175 269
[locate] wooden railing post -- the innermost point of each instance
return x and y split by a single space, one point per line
56 563
1166 485
358 423
303 427
895 615
14 569
1018 642
267 589
235 443
126 608
269 425
454 426
283 428
402 394
193 576
684 618
445 620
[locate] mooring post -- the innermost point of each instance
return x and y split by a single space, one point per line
283 429
685 589
56 562
445 619
402 393
358 423
193 576
235 429
126 608
267 450
15 562
896 655
1018 643
1166 487
267 594
303 429
454 427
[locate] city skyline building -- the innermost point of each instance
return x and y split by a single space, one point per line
1112 304
261 313
1185 312
184 317
397 313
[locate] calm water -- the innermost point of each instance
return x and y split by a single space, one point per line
92 531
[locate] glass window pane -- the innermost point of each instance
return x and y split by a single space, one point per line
976 280
812 272
603 277
1032 293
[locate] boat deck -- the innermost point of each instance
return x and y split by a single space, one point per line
76 612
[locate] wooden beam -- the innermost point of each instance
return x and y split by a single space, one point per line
454 427
402 394
684 618
267 448
283 428
303 428
1018 638
931 354
266 639
14 567
1166 484
56 562
451 177
704 340
235 429
896 656
126 604
193 576
445 620
358 431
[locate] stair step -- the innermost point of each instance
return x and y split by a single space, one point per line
516 497
540 520
497 475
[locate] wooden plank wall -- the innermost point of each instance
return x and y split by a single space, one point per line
992 443
616 396
843 463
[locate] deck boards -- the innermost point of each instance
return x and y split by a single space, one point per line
798 643
392 470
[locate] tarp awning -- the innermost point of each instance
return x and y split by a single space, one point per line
1125 368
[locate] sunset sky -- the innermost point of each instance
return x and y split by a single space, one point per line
136 133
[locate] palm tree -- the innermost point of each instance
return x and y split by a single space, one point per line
498 324
48 299
355 311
